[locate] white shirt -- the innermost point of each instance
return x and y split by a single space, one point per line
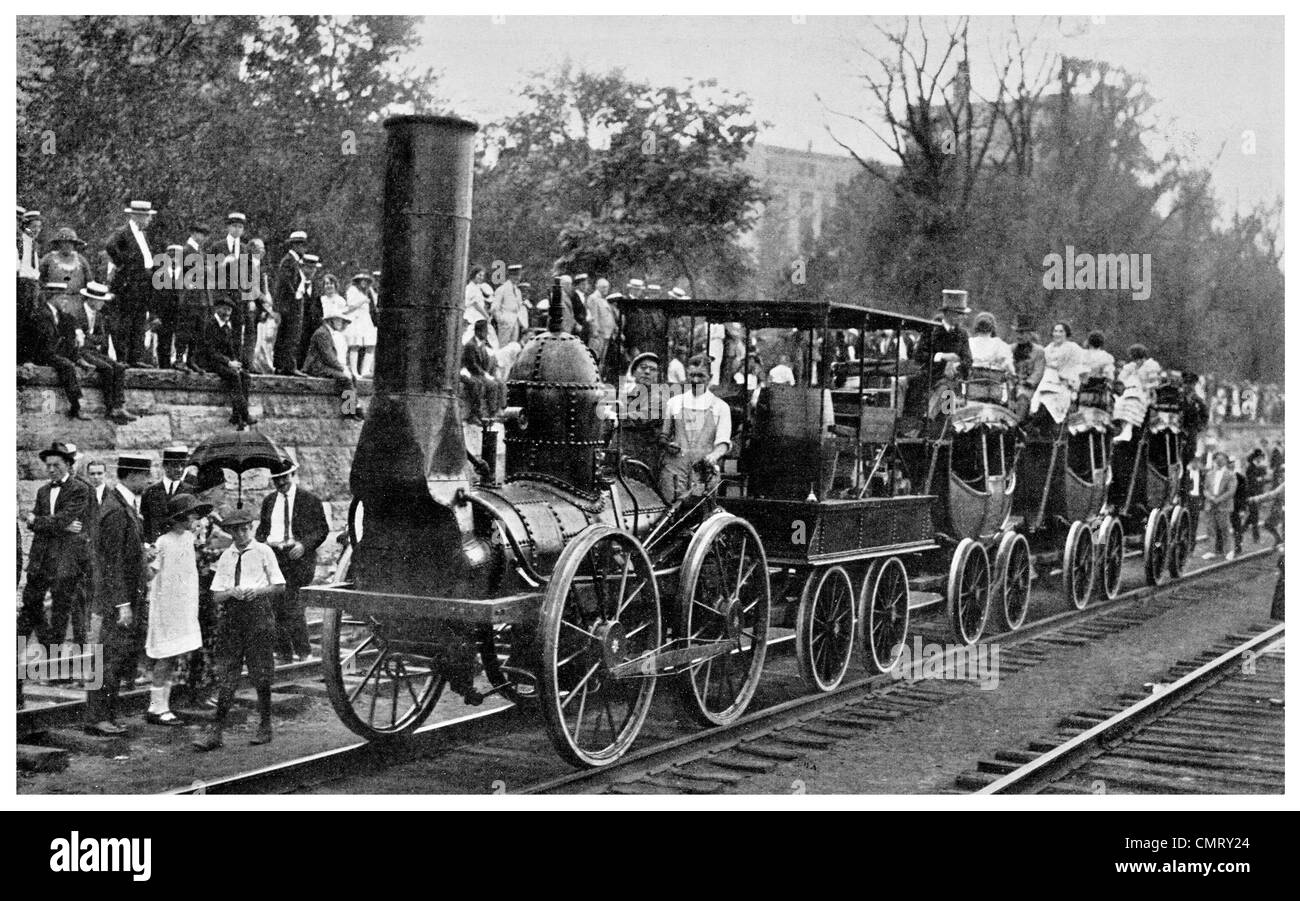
55 488
780 374
676 372
232 245
129 497
142 243
169 486
27 266
257 568
279 534
99 493
680 405
991 352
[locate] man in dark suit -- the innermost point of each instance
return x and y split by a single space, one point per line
312 311
224 256
133 264
118 602
153 503
60 555
293 524
55 345
292 287
193 304
94 326
218 352
942 353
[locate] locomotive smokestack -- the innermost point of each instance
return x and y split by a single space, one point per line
410 458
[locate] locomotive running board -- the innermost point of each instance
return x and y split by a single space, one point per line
663 661
511 608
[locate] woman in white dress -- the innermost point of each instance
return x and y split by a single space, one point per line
987 350
1065 367
173 627
1138 380
361 332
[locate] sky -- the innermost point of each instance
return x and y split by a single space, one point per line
1216 78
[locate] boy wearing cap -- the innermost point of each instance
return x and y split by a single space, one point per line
246 581
117 605
92 335
55 345
218 352
132 281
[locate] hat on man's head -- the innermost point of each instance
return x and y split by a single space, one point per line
180 505
641 358
954 301
678 294
21 209
56 287
239 517
636 283
375 274
236 217
171 247
175 453
31 215
96 291
362 277
200 228
1025 323
580 277
617 295
515 267
140 207
297 236
310 258
283 468
223 300
68 235
60 449
135 463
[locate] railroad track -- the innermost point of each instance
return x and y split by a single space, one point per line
1214 726
677 759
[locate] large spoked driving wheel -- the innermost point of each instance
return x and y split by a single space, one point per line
724 595
1012 574
1110 556
1181 540
381 684
1077 568
884 613
1155 545
601 610
824 629
968 591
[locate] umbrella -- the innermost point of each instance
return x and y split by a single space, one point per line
238 452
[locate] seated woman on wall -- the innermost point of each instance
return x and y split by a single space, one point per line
1061 376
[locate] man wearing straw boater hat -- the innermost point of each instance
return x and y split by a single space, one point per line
92 322
118 604
245 583
132 281
153 503
293 525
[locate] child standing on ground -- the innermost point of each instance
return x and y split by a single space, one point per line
173 604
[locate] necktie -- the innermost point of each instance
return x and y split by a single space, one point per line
239 566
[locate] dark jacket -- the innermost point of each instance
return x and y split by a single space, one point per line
129 261
153 509
322 361
53 339
940 340
96 338
309 526
56 552
123 575
218 345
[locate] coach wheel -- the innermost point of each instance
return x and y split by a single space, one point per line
725 595
601 609
501 649
968 591
1180 540
1155 545
884 613
1012 574
380 684
1110 556
824 630
1077 568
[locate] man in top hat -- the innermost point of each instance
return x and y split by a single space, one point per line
509 314
54 344
132 281
93 330
153 503
65 263
293 525
943 352
246 582
218 352
123 577
29 280
60 553
1030 361
327 357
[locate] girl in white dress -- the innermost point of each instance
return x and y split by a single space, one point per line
361 332
173 603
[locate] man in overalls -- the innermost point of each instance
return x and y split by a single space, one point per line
696 432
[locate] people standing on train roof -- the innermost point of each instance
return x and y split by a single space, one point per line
696 434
